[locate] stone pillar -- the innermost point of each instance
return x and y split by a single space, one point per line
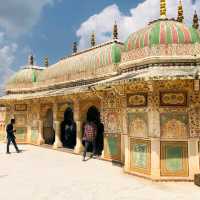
79 146
154 132
155 158
57 127
77 116
41 136
193 157
57 143
125 150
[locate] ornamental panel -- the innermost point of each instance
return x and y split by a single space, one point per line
174 159
174 125
137 100
20 107
112 121
141 156
195 122
20 119
138 124
173 99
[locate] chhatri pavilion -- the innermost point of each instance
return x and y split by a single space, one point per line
144 94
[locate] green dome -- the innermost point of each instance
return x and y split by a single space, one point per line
162 32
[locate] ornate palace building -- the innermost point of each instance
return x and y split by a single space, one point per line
143 94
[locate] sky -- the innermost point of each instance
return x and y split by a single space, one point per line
49 27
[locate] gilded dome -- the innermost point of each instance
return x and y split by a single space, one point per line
162 32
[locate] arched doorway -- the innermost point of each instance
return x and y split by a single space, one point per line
48 131
68 129
93 115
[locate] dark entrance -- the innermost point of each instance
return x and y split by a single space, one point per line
48 131
93 115
68 130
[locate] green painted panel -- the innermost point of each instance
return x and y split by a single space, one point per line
20 133
34 135
112 143
182 117
140 155
174 158
155 34
116 54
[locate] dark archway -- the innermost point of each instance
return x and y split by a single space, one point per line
93 115
48 131
68 129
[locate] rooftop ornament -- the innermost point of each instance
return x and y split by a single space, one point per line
180 17
31 60
115 31
195 21
163 9
75 49
93 40
46 62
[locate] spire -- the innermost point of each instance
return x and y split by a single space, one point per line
180 17
195 21
31 60
93 39
115 31
163 9
75 49
46 62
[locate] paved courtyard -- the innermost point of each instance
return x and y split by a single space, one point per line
44 174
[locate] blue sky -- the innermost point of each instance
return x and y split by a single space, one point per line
56 30
49 27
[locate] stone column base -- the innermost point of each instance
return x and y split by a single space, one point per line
79 149
57 144
41 141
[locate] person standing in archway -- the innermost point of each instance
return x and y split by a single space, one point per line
90 133
10 136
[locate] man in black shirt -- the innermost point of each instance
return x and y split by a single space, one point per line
11 136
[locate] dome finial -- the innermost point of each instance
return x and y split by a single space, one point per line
31 60
163 9
93 39
115 31
75 49
195 21
46 61
180 17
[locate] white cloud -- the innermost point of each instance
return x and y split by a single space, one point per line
19 16
7 55
138 17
